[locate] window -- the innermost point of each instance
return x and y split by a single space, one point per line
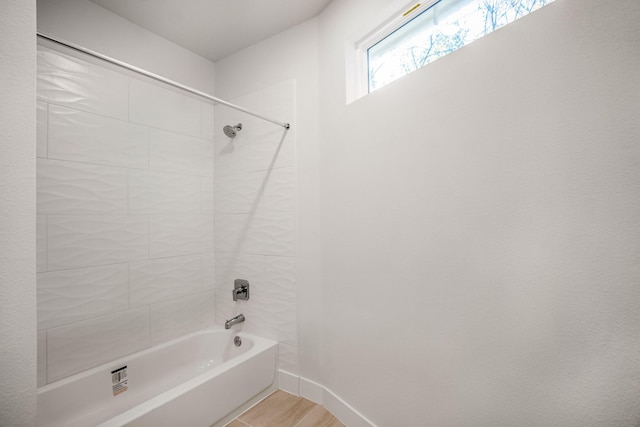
428 31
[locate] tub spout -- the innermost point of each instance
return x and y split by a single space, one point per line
234 321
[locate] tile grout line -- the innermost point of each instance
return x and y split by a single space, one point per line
249 409
308 413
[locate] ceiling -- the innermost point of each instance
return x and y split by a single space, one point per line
215 28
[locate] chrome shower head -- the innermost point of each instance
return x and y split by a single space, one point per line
232 131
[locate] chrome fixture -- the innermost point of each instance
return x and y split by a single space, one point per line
234 321
240 290
237 341
232 131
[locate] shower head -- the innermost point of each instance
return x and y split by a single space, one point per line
232 131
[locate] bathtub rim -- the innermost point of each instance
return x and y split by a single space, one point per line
88 372
259 345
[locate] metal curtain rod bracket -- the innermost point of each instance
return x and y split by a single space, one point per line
159 78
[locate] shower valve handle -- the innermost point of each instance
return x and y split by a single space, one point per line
240 290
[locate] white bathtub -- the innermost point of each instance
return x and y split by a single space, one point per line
192 381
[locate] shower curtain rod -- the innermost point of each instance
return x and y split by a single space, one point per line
159 78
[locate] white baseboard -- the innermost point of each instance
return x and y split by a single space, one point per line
289 382
312 391
321 395
344 412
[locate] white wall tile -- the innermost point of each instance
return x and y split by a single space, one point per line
279 100
162 279
231 231
74 83
90 138
164 108
286 147
41 243
174 152
239 193
269 191
251 101
82 345
153 192
288 357
265 147
280 191
273 319
209 271
265 317
69 296
226 116
42 358
171 319
231 266
75 188
41 129
270 276
95 167
173 235
279 279
207 195
273 234
207 130
262 233
261 145
226 308
255 226
82 241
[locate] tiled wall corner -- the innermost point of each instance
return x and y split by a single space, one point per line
125 246
255 218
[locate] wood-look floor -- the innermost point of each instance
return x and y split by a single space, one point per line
281 409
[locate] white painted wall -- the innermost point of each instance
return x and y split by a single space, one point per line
481 240
17 214
91 26
291 55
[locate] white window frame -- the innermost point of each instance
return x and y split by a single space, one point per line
397 15
390 23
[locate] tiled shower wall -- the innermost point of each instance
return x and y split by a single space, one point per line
255 217
125 214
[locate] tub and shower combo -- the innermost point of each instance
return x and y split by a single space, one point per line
195 380
192 381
